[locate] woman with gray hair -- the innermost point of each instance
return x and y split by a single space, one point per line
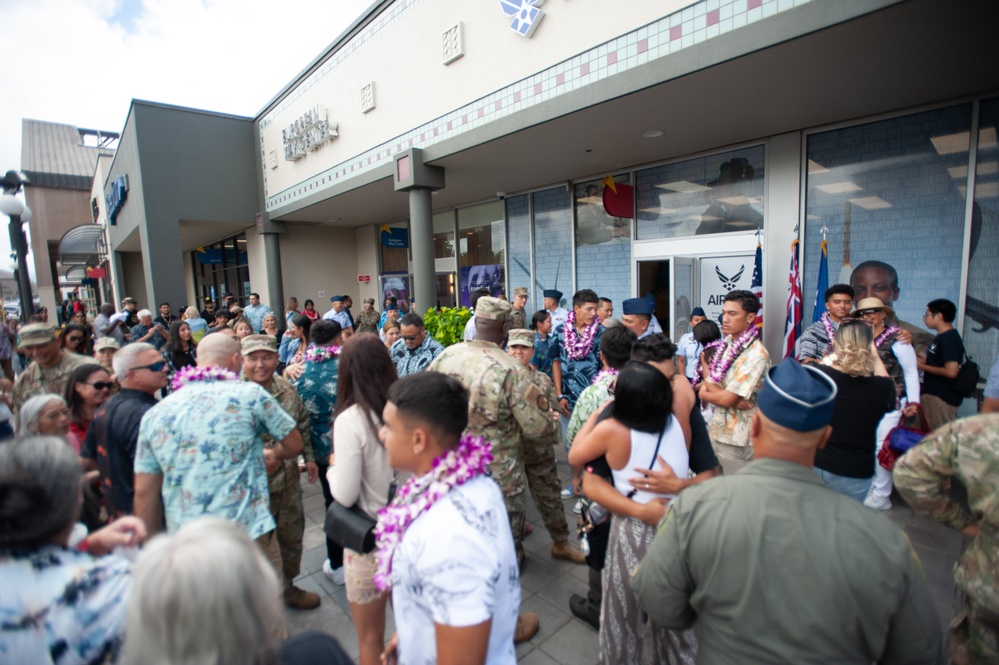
44 414
59 605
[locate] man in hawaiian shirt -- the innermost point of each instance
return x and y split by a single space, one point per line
734 393
573 369
200 450
415 349
255 312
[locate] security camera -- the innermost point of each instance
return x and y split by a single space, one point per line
501 195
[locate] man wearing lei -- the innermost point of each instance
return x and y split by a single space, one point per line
735 377
816 342
899 359
444 544
200 450
575 350
260 361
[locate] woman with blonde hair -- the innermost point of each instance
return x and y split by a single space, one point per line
290 311
198 326
846 463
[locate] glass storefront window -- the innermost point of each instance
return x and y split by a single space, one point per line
220 269
481 249
444 235
720 193
603 242
888 198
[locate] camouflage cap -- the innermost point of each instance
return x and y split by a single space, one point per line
34 334
252 343
520 291
106 343
520 337
492 308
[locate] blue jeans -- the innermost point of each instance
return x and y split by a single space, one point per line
855 488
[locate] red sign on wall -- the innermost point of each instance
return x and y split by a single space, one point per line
364 278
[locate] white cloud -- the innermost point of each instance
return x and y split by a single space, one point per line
81 62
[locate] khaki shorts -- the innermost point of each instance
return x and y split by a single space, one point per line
359 577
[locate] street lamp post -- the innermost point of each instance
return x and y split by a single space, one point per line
14 208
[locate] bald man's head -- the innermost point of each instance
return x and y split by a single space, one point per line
220 351
779 442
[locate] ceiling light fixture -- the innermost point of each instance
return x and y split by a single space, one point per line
653 134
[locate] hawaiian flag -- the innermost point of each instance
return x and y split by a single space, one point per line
820 289
792 324
757 285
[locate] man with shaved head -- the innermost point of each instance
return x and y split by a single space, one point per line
200 450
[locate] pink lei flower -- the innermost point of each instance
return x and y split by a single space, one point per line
699 374
827 323
194 374
468 460
721 363
603 374
320 354
578 346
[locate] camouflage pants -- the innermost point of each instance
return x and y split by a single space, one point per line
542 478
507 469
289 516
974 638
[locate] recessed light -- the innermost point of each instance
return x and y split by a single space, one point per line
653 134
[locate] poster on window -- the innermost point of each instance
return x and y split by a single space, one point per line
487 276
721 274
396 286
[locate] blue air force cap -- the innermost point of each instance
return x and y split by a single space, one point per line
638 306
797 397
336 298
552 293
697 311
391 306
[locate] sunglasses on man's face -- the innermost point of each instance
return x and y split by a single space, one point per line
155 367
101 385
409 338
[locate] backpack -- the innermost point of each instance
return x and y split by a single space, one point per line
966 381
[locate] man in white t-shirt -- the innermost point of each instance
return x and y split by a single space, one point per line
454 574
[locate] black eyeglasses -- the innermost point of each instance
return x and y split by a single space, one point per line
101 385
868 312
409 338
155 367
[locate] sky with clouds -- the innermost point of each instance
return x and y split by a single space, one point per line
81 62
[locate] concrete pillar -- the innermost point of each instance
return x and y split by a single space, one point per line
272 263
421 237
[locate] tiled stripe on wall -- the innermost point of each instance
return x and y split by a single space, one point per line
689 26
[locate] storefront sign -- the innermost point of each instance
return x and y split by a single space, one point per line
394 237
525 14
364 279
307 133
721 274
116 198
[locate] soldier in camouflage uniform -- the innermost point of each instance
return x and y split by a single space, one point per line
518 317
539 455
966 450
504 405
50 365
260 361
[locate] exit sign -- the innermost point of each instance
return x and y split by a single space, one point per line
364 278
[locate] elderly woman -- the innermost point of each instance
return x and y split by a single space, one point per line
58 604
269 326
846 463
44 414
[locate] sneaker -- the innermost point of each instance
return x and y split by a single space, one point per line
334 576
578 508
567 492
527 627
581 609
878 502
561 549
300 599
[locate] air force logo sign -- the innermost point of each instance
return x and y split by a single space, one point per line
525 14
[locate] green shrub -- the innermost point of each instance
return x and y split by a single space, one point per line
447 324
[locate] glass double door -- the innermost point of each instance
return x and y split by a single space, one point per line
672 282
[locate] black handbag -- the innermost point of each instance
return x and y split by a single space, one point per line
351 528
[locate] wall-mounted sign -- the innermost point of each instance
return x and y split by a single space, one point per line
364 279
309 132
721 274
525 14
394 237
116 198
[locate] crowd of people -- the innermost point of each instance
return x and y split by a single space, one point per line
151 503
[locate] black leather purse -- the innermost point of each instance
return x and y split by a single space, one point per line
351 528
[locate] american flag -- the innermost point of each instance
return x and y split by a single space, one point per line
792 324
757 285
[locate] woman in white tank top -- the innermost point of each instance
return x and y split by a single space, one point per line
640 433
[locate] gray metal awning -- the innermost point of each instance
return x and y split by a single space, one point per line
83 245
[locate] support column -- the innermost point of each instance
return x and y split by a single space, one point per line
421 237
272 264
413 176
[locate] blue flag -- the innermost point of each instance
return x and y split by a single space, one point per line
820 288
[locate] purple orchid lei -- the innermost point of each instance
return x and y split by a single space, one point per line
698 377
880 339
468 460
721 363
830 328
320 354
578 346
195 374
603 374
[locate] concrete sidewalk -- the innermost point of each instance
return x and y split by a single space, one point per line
547 583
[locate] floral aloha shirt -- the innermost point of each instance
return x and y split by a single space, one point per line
62 606
205 439
317 388
744 378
